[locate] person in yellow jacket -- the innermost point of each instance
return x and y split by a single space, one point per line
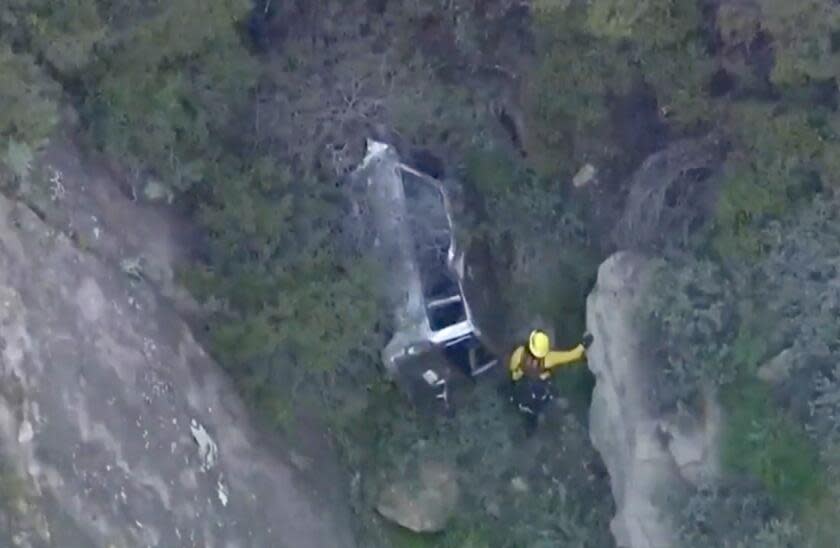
531 367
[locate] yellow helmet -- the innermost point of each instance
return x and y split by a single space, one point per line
539 343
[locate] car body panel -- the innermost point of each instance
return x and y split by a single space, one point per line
414 239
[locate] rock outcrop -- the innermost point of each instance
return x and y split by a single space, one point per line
649 454
671 195
116 427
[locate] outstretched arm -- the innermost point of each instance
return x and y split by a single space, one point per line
557 358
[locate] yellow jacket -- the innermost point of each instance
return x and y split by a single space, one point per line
554 359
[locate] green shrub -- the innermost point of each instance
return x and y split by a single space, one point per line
460 534
565 94
18 158
29 100
173 79
483 440
738 24
297 309
744 204
13 488
789 142
755 339
769 174
65 33
653 23
830 162
543 260
803 32
688 315
664 39
494 174
679 77
720 515
714 335
761 440
778 533
592 53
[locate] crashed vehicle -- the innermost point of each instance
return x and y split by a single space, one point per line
410 214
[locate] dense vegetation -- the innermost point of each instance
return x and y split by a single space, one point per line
251 114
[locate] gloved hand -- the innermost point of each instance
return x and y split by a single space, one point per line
587 339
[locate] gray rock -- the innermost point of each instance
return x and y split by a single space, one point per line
423 504
25 433
208 451
519 485
493 508
694 441
155 191
586 175
778 368
97 401
86 200
647 454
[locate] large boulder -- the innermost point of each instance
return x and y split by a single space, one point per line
649 453
422 504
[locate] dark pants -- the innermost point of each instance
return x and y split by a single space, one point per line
530 397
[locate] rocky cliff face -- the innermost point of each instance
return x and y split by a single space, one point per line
650 454
116 428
